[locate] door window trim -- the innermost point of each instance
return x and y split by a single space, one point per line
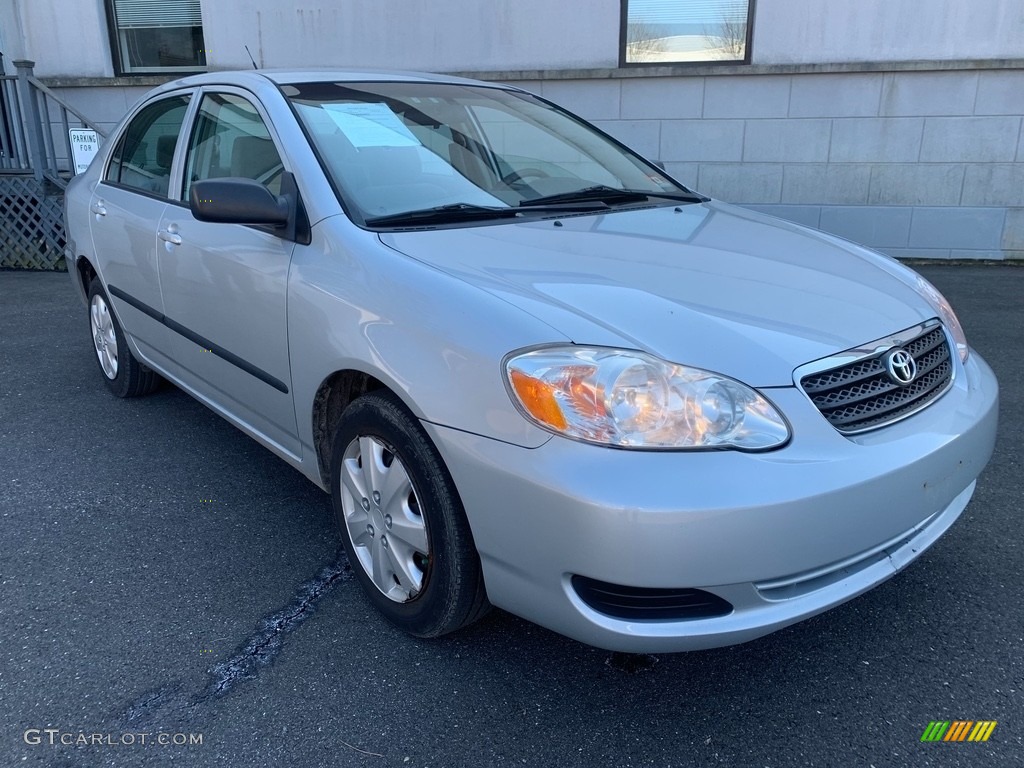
173 184
192 121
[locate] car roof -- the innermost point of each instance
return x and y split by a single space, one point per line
286 76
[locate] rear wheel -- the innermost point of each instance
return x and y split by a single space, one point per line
402 522
124 375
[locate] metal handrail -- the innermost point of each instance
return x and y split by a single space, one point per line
13 148
67 107
28 131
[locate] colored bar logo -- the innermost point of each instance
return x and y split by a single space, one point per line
958 730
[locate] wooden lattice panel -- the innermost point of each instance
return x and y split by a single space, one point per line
31 224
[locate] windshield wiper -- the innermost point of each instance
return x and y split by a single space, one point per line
600 193
685 197
456 212
442 213
609 195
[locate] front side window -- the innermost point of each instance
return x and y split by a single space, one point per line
399 148
680 31
156 36
143 156
231 139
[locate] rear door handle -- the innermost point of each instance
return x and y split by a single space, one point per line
98 208
169 237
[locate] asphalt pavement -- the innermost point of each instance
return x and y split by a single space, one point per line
163 578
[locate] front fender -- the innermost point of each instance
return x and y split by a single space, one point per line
435 341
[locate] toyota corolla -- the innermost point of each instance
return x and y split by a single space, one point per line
530 368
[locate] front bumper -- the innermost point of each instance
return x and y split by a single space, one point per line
781 536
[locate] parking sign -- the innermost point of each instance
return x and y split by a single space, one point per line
84 146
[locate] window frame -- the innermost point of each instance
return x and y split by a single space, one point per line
291 184
121 69
747 46
115 143
193 121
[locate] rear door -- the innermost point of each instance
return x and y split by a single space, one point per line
126 208
225 286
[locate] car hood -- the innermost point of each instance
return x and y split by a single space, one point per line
708 285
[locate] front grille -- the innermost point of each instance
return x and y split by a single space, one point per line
860 395
649 604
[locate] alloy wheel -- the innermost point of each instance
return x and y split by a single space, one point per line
104 338
384 519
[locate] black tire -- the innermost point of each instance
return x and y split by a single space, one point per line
126 376
451 594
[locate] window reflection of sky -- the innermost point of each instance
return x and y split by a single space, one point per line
686 30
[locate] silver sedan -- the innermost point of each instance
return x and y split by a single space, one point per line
532 370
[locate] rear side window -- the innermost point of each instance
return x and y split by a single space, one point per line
143 156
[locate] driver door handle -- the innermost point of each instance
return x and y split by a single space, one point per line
169 237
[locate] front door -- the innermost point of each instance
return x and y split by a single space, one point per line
225 285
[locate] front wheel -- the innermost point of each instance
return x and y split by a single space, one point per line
402 522
123 374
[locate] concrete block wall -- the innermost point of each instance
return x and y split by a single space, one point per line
919 164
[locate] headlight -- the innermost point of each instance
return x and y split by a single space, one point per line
632 400
946 314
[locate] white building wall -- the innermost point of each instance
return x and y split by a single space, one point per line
12 43
818 31
445 36
501 35
70 39
63 38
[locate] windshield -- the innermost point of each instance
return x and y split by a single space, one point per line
413 147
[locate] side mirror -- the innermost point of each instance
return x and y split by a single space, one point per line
237 201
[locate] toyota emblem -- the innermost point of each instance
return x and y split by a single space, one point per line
901 366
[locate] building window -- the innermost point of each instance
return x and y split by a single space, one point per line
674 31
150 36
